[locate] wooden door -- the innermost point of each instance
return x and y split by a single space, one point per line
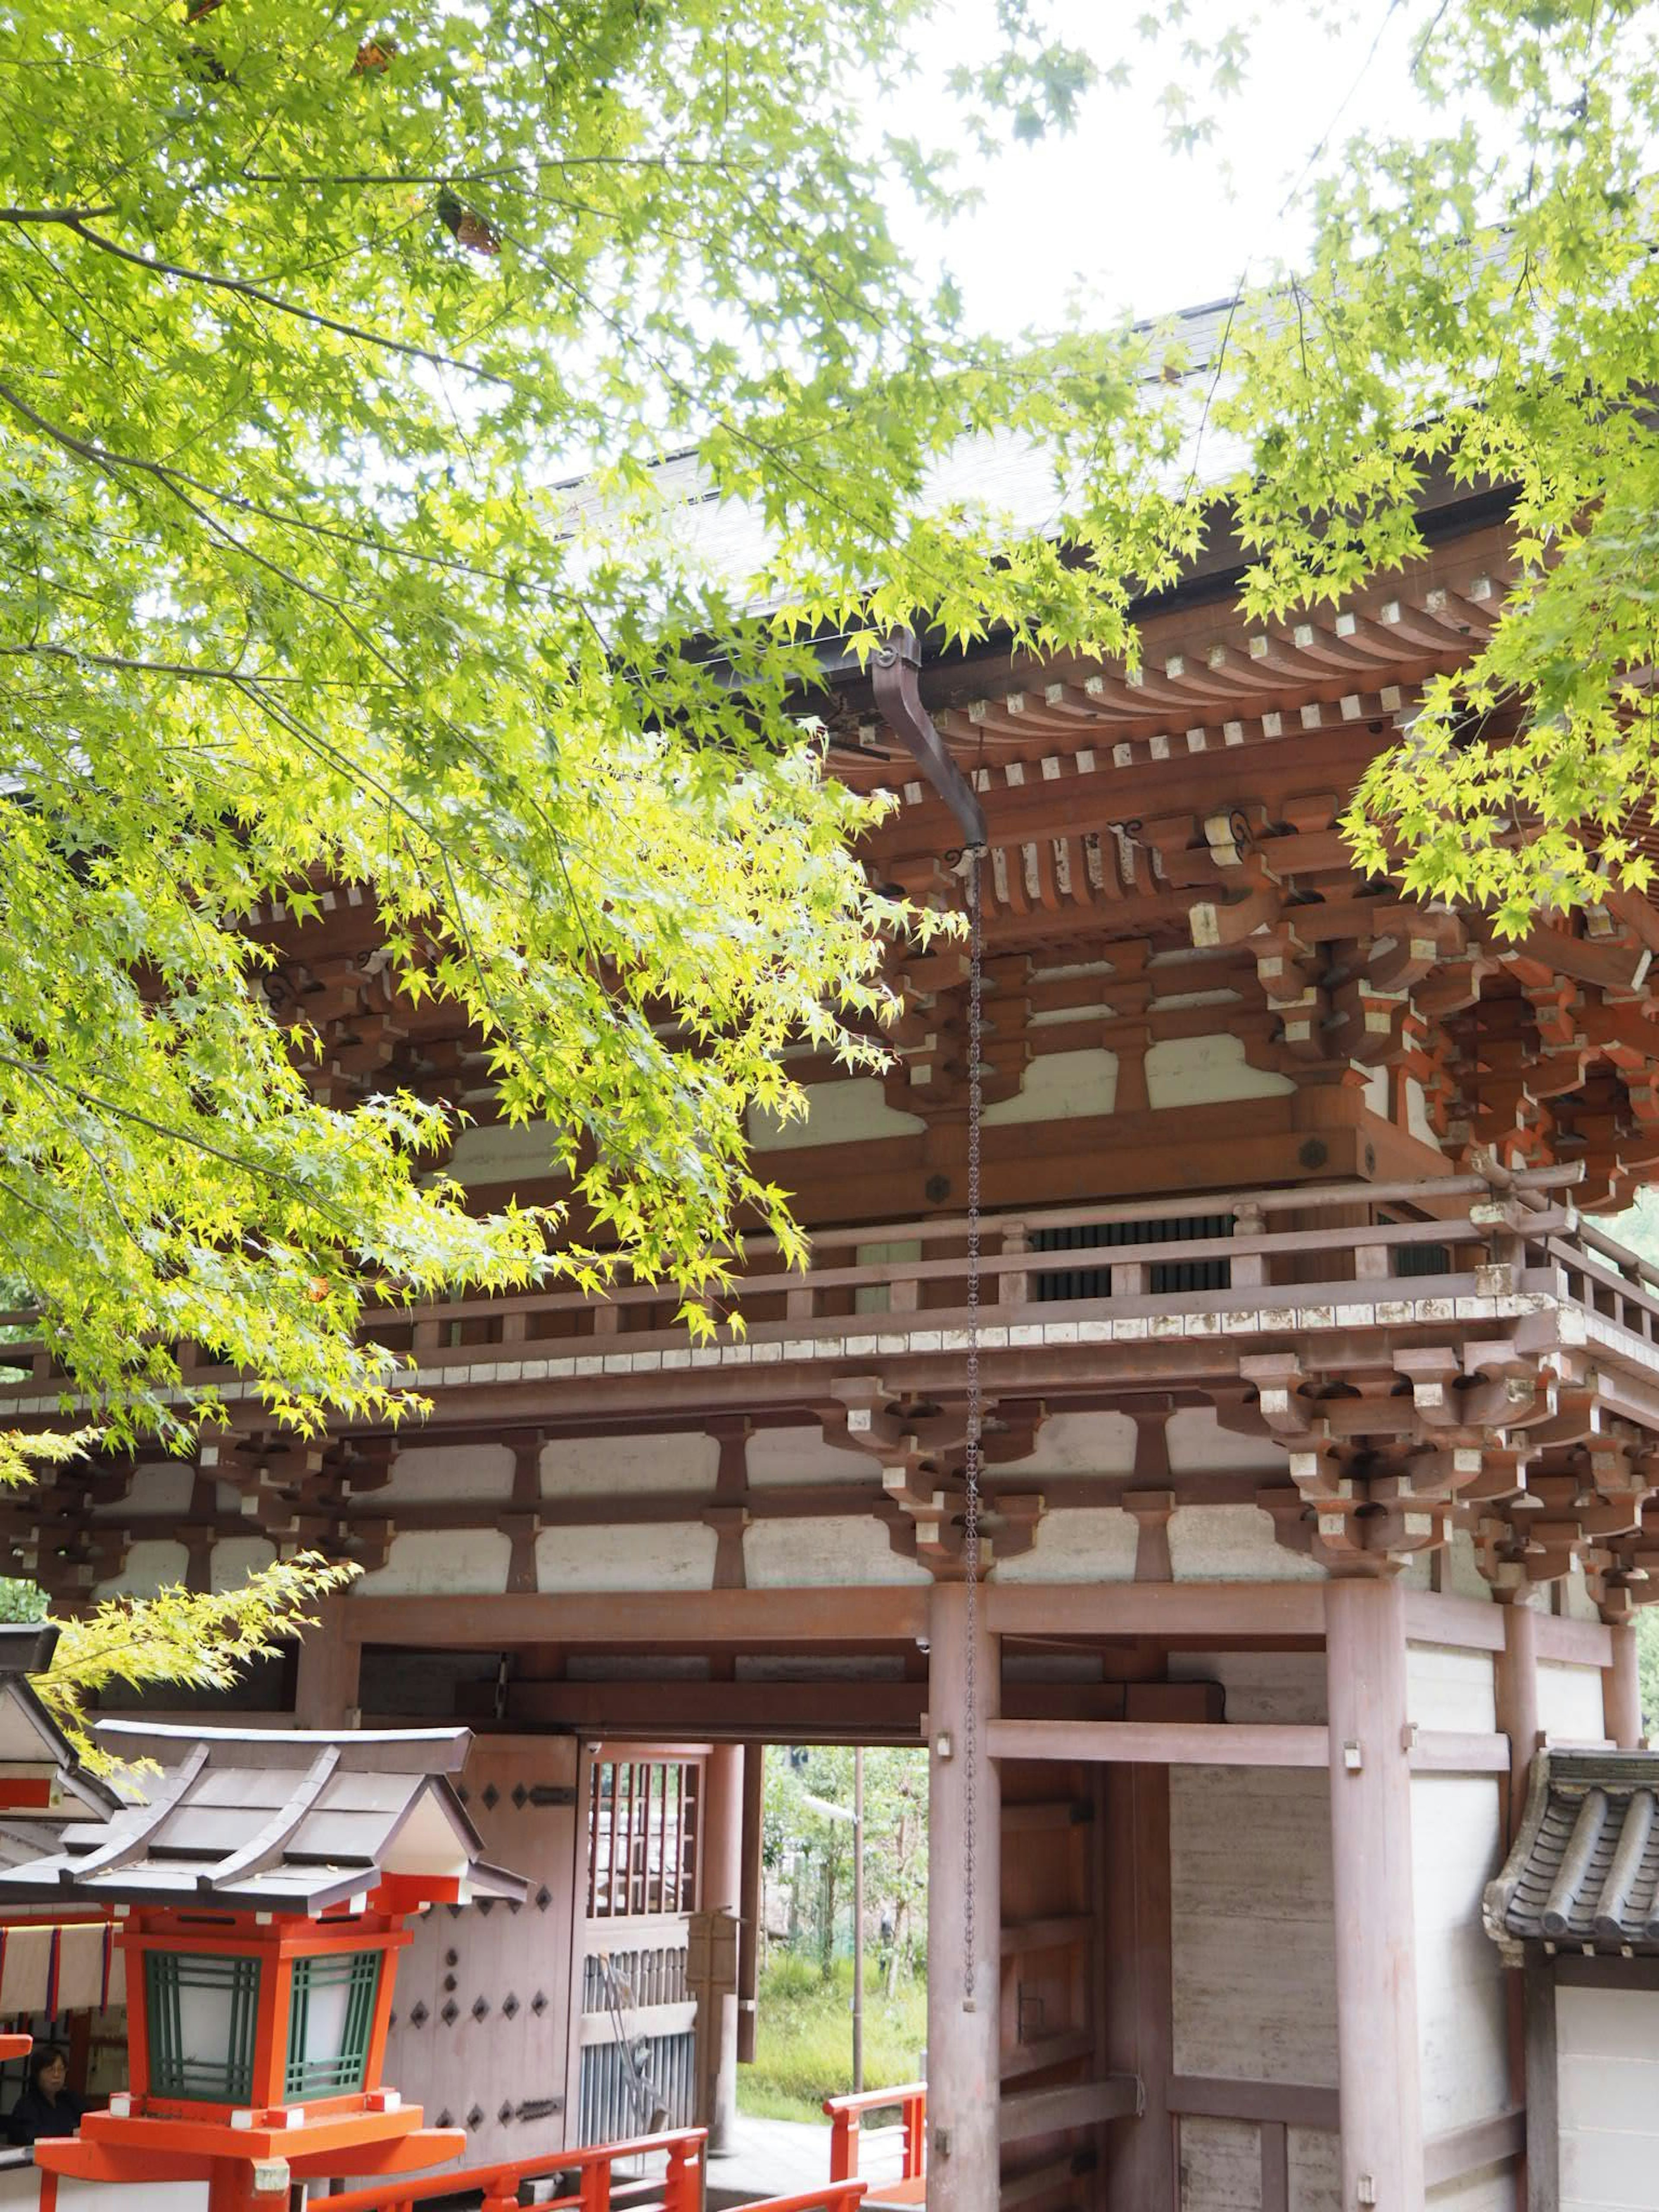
1052 2014
482 2019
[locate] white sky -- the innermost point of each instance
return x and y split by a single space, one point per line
1111 207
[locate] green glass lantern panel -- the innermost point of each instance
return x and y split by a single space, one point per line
203 2012
331 2019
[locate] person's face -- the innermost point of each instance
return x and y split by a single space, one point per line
53 2076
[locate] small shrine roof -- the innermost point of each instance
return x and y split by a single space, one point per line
274 1820
1583 1872
31 1740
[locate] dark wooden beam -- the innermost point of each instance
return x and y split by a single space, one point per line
767 1620
1543 2102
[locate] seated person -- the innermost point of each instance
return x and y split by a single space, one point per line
48 2106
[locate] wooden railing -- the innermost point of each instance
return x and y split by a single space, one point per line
681 2189
1351 1245
846 2115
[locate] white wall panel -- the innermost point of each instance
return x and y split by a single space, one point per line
1461 2014
1255 1963
436 1562
1233 1543
1206 1071
848 1110
1220 2167
1090 1544
1061 1086
1607 2057
153 1564
1570 1702
425 1474
659 1555
1450 1689
849 1548
585 1467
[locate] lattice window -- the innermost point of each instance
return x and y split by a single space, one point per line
1164 1276
203 2012
331 2019
642 1837
1422 1260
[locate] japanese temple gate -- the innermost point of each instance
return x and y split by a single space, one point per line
1322 1438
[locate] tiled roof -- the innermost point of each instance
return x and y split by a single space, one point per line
280 1819
1583 1872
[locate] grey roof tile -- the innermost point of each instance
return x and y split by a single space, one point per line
1583 1872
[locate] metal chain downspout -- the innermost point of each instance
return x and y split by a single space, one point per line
970 1732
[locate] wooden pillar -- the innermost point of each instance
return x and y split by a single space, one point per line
722 1890
754 1791
1516 1690
1139 2033
1621 1691
1515 1687
326 1684
1543 2117
963 1993
1371 1864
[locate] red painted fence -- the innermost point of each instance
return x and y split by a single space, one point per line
682 2186
846 2114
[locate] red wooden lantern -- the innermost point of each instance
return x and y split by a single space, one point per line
262 1896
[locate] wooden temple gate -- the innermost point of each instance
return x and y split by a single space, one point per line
1321 1433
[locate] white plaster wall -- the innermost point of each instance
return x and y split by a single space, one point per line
661 1555
1078 1444
1448 1689
433 1562
778 1457
850 1548
1577 1602
1570 1702
1208 1071
164 1486
234 1559
1255 1963
848 1110
152 1564
1460 1574
1198 1444
21 2185
427 1473
1261 1685
1316 2164
1220 2167
1462 2016
1233 1543
1607 2062
1417 1114
1491 2189
583 1466
1061 1086
503 1151
1087 1544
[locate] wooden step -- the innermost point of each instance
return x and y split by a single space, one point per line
1074 2105
1047 1932
1048 2050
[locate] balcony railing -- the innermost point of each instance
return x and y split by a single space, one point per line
1356 1255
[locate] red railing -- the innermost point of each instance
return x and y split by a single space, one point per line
846 2115
498 2183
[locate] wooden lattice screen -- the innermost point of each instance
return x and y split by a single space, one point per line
643 1830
